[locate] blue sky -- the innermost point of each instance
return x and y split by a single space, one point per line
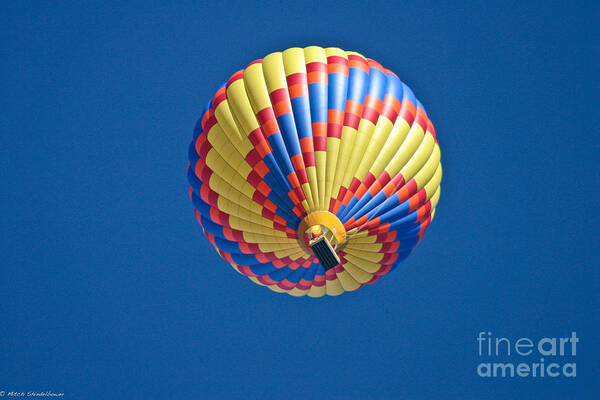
108 289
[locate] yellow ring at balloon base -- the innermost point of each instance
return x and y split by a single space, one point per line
322 219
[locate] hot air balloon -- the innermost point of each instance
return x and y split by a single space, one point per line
314 171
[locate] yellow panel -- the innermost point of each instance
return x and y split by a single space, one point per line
380 135
256 88
369 247
240 223
333 148
363 264
358 274
333 287
436 198
221 144
230 194
240 107
297 292
359 154
346 145
353 240
227 174
252 237
316 291
365 255
427 171
293 61
419 158
276 288
434 182
321 167
334 51
315 54
347 281
273 71
406 150
226 122
391 146
272 247
231 208
293 254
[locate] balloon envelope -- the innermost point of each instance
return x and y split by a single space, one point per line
312 144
